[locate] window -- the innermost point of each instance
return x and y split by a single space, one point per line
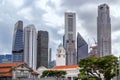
67 41
101 7
70 15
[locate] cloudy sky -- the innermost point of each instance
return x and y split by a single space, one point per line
49 15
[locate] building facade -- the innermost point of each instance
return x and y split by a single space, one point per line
42 49
6 58
60 56
104 30
30 46
16 71
70 38
71 70
82 47
17 47
50 56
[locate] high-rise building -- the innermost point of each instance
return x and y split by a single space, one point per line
82 47
60 56
42 49
70 38
50 56
64 41
104 30
17 47
30 46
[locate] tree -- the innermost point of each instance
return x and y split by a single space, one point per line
53 73
94 68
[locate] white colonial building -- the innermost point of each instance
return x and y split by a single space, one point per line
72 71
60 56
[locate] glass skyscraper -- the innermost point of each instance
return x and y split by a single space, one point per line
82 47
17 47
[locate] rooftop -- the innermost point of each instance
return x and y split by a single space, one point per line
5 68
65 67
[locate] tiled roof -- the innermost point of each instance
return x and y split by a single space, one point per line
10 64
5 68
65 67
8 74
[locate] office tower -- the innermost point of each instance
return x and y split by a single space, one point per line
50 56
64 41
70 38
42 48
104 30
60 56
17 47
30 46
82 47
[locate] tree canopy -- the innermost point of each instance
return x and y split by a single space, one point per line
96 68
53 73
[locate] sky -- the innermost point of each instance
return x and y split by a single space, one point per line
48 15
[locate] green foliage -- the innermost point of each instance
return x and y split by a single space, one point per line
93 67
53 73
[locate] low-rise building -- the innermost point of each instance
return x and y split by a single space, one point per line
40 70
16 70
72 70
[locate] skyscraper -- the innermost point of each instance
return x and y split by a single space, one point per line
104 30
30 44
49 56
42 49
82 47
70 37
17 47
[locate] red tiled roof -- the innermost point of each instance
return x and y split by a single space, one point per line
5 68
10 64
65 67
8 74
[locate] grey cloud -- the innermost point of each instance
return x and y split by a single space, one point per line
89 23
115 24
50 4
5 37
78 3
28 3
